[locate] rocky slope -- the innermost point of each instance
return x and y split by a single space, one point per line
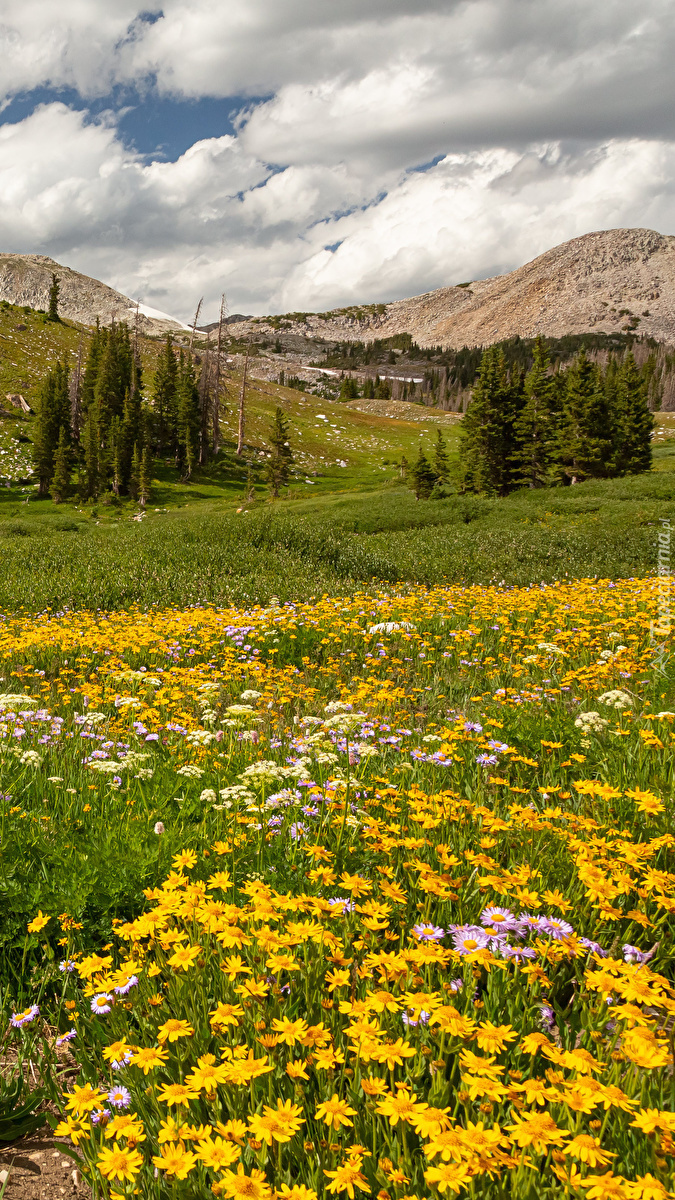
26 278
605 282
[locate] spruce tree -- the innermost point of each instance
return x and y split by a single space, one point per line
145 478
278 467
422 477
135 473
635 423
585 441
91 483
188 416
535 427
164 401
441 461
53 311
349 389
488 437
60 483
368 389
53 414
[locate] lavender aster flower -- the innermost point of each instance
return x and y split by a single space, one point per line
428 933
347 905
125 988
632 954
24 1018
468 938
66 1037
101 1003
119 1097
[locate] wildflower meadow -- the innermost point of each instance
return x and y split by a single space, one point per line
368 896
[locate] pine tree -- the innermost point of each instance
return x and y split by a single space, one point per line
635 421
53 312
164 400
60 483
441 461
585 443
145 478
188 416
91 483
368 388
89 376
422 477
535 428
135 474
278 468
488 430
53 414
349 389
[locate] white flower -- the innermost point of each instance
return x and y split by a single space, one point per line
263 772
93 718
208 796
54 779
432 737
250 694
240 710
127 702
159 828
236 791
550 648
107 766
667 715
390 627
616 699
190 771
30 758
200 737
144 773
591 722
15 700
530 658
338 706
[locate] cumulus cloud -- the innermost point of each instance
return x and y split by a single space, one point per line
534 121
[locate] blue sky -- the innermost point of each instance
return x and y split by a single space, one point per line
303 155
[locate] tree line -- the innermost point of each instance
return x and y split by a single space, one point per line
541 429
94 420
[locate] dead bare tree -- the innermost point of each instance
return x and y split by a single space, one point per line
194 323
136 329
204 402
242 402
216 385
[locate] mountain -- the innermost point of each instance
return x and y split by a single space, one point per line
610 281
25 279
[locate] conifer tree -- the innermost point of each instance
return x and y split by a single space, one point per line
488 437
53 311
145 478
164 400
278 468
60 483
635 422
368 388
135 473
422 477
349 389
535 427
584 441
53 414
90 373
188 416
91 482
441 461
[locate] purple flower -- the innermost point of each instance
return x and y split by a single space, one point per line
101 1116
24 1018
101 1003
119 1097
347 905
468 938
297 831
66 1037
594 947
498 918
556 928
422 1019
632 954
122 1062
547 1015
152 737
67 965
125 988
487 760
428 933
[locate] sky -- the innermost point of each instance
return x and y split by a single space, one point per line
300 156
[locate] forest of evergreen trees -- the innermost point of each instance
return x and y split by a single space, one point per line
95 423
543 428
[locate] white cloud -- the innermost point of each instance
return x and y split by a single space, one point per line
550 117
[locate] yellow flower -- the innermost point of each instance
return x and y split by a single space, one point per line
335 1112
373 1086
175 1160
494 1037
174 1029
84 1099
536 1129
245 1187
149 1057
297 1192
183 958
348 1177
206 1074
38 922
119 1163
398 1107
393 1053
587 1149
217 1153
76 1130
176 1093
226 1014
297 1069
186 858
289 1032
450 1176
